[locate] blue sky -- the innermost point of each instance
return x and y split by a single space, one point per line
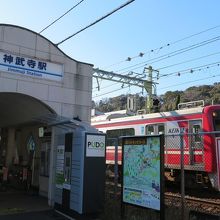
142 26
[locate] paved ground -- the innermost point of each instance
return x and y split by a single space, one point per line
15 205
15 202
39 215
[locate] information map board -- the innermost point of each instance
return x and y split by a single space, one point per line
142 184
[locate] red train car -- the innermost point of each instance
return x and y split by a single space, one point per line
197 128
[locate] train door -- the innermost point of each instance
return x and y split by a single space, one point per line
195 142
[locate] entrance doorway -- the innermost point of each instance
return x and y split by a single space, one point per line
24 156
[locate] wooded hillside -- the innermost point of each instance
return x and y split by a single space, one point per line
168 101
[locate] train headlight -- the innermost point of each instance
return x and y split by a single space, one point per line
214 114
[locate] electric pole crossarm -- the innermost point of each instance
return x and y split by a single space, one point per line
102 74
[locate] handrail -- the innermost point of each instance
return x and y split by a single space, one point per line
191 104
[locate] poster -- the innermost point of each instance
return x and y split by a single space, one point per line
142 171
60 167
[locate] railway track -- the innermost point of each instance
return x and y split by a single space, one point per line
205 202
194 199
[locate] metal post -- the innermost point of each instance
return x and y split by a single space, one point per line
182 177
116 167
148 86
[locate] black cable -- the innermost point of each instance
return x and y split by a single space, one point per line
174 53
198 68
163 87
95 22
187 61
190 82
111 92
166 45
61 16
198 58
191 69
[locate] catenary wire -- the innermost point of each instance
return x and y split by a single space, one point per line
110 92
187 61
194 69
160 88
95 22
198 58
191 69
61 16
141 54
171 54
190 81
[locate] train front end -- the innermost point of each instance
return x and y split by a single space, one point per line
211 125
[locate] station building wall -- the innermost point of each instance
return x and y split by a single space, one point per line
69 97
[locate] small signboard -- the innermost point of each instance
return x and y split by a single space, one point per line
31 145
95 145
142 169
41 132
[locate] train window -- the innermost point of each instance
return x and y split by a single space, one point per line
216 120
150 129
115 134
155 129
161 129
217 125
196 130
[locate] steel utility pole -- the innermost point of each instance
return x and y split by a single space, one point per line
148 85
132 79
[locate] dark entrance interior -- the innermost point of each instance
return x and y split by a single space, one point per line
24 156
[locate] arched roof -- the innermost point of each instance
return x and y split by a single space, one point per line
26 29
18 109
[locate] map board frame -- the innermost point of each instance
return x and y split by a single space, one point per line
143 162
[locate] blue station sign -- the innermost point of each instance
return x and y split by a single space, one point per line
17 64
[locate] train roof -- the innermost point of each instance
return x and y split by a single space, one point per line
123 115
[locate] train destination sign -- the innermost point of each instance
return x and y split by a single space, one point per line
142 171
21 65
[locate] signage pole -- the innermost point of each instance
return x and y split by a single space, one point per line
182 177
116 167
162 206
142 161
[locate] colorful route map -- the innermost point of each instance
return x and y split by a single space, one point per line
141 173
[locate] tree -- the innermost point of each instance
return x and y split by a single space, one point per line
171 99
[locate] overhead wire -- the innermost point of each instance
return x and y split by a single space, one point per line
141 54
171 54
189 70
174 53
190 82
201 79
61 16
187 61
160 88
176 65
192 69
111 92
109 86
96 21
